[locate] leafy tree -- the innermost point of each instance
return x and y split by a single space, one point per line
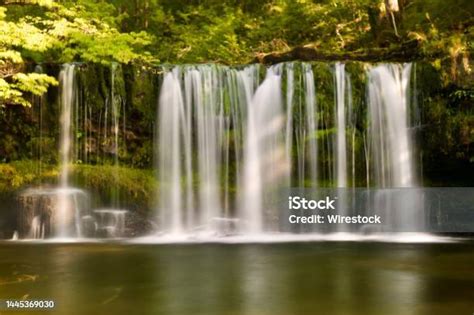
52 32
230 32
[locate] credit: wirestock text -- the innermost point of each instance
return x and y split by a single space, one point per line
327 203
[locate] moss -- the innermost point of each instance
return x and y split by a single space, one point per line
110 186
124 187
18 175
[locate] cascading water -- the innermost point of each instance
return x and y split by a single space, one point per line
227 143
341 152
301 134
192 102
110 223
391 147
343 106
388 100
311 123
116 105
171 133
208 105
264 152
66 79
69 200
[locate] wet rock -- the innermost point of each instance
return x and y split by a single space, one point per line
44 212
136 225
88 226
110 222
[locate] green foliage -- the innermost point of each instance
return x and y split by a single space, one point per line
73 31
137 187
203 36
448 136
230 32
323 133
21 174
326 24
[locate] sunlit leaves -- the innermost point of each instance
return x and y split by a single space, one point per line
46 3
83 30
34 83
13 92
209 37
10 56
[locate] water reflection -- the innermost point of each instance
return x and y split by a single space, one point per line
274 279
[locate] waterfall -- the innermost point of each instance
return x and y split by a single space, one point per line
227 143
200 112
67 83
391 143
340 103
311 123
208 105
110 223
264 158
37 228
66 78
171 134
303 134
230 141
391 148
116 104
69 207
290 77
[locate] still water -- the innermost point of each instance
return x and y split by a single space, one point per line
327 278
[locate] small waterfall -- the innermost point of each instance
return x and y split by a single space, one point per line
208 106
391 143
172 151
200 113
241 90
391 148
15 236
67 94
264 153
40 210
343 106
311 123
116 104
37 228
289 97
66 78
303 132
340 103
110 222
66 219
